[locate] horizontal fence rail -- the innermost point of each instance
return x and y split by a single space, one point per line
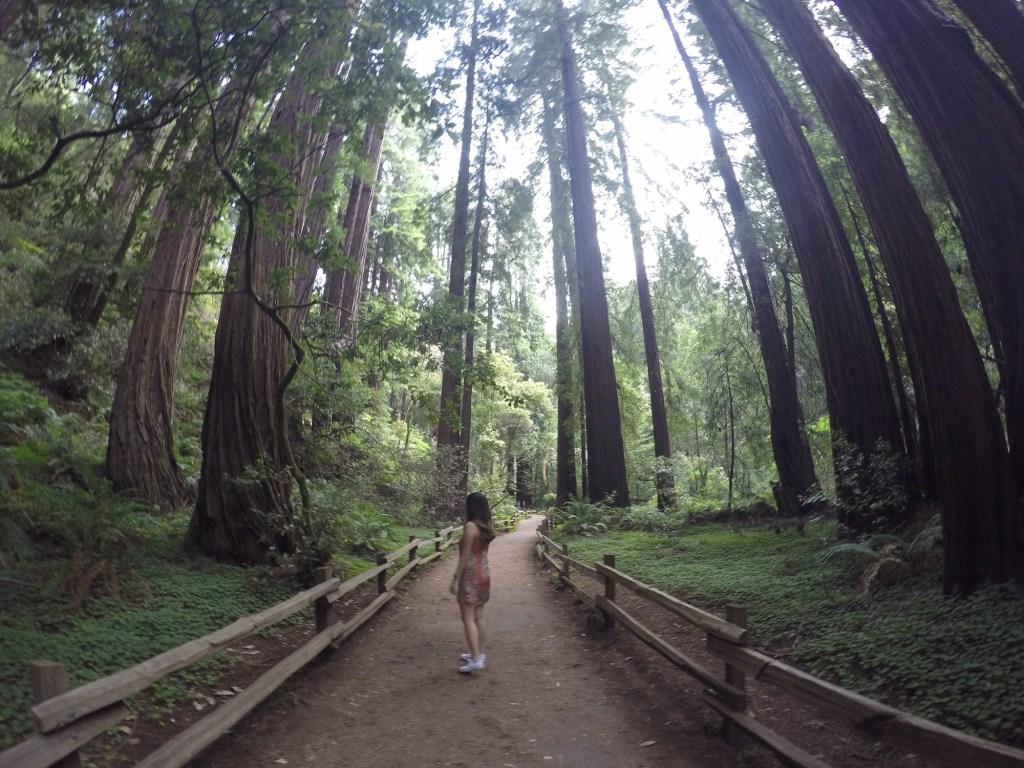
727 640
66 720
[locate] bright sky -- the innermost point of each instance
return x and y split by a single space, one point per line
667 141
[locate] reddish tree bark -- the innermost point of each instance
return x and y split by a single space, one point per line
857 387
125 201
244 509
789 443
1002 24
974 127
449 443
606 470
561 243
659 416
474 274
344 287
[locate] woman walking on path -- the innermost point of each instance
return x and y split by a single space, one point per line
471 583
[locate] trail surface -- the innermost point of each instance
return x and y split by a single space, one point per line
550 696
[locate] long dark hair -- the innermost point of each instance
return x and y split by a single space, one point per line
478 511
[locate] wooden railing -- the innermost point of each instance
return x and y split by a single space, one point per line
66 720
727 639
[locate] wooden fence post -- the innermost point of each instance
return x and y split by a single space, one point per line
609 590
49 679
382 577
412 552
437 541
565 562
734 614
321 607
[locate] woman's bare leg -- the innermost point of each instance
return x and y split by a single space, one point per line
472 632
481 626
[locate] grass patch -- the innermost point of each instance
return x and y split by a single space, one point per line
956 660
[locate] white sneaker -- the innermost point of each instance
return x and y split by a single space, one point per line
469 657
472 665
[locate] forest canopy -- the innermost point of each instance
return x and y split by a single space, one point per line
298 271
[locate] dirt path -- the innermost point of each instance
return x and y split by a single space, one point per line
392 697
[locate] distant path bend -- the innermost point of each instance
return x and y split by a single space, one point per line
392 698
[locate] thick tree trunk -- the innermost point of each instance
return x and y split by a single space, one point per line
474 275
606 471
659 416
244 509
857 387
561 242
789 443
449 443
140 449
1001 22
974 127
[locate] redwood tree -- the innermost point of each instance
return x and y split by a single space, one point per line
974 127
466 421
344 286
244 509
659 416
449 443
789 444
606 460
860 398
1001 22
561 243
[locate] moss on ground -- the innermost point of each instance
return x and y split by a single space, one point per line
956 660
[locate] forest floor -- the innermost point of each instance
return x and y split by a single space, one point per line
552 694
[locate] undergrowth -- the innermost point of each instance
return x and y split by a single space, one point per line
955 660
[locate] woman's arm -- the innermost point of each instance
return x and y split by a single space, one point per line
469 532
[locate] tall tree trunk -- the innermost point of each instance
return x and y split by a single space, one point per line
244 509
140 446
344 286
964 462
474 274
860 399
449 444
1001 22
659 416
561 242
974 127
125 201
789 443
606 471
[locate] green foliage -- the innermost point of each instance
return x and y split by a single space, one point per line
581 518
871 494
163 601
951 659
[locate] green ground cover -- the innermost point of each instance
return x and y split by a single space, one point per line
162 599
957 660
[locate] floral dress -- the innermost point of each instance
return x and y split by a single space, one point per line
475 582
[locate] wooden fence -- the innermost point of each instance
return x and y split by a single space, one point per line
66 720
727 639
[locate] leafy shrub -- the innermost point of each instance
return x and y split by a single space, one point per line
871 493
879 560
581 518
